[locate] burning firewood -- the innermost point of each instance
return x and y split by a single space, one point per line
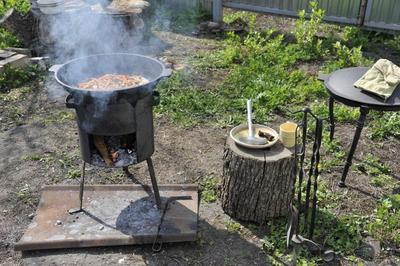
102 148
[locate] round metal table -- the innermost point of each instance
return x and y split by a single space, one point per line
341 89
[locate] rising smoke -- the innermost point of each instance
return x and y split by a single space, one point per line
90 30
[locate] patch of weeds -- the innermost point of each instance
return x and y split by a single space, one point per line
355 37
55 179
341 112
341 233
12 77
274 244
306 33
385 125
183 21
66 159
22 6
346 57
335 150
24 194
15 94
31 157
60 116
233 227
46 159
14 112
326 198
241 18
185 103
378 171
394 43
8 40
209 189
73 173
224 57
115 177
386 224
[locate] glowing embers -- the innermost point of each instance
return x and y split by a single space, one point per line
113 151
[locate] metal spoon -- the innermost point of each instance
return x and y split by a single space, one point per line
251 138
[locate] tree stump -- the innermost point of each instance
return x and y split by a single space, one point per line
257 184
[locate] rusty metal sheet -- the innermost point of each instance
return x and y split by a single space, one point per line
113 215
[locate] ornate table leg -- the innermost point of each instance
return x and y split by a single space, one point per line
360 125
331 119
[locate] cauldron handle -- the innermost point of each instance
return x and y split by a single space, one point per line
69 101
156 98
166 73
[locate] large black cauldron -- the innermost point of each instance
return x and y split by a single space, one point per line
110 113
123 112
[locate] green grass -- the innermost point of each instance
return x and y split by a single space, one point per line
379 173
386 224
59 117
12 77
209 189
233 227
8 40
22 6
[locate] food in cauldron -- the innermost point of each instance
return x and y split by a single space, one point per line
113 82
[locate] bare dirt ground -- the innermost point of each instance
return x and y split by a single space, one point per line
39 143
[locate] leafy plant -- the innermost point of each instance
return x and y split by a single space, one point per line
306 32
168 19
21 6
379 172
24 194
394 43
248 18
355 37
12 77
386 225
8 40
385 125
233 227
73 173
209 189
346 57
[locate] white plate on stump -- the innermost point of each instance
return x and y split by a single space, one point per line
242 131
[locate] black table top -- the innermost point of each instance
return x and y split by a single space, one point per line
340 86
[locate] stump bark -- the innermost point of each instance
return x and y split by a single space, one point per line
257 184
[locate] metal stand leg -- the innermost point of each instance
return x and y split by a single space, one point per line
154 182
331 119
360 125
81 188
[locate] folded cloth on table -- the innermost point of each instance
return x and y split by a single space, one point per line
381 80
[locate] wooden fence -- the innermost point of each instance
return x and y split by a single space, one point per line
373 14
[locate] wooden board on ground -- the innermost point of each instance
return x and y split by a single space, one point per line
113 215
257 184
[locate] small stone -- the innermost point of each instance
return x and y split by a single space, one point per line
58 222
369 249
213 25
